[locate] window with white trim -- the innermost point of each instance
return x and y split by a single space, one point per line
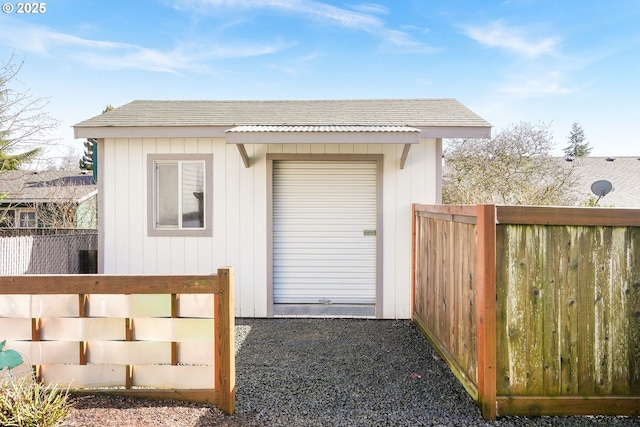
27 218
19 218
181 195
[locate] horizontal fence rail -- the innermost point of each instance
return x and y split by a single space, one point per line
546 301
149 336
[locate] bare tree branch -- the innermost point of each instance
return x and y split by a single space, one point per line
24 123
513 168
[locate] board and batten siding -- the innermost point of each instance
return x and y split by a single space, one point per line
240 213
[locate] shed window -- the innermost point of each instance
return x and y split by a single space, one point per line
181 196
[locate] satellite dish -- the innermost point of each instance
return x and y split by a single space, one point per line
601 188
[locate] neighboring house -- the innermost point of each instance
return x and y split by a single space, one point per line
622 172
47 199
309 201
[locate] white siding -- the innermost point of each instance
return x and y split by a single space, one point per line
240 232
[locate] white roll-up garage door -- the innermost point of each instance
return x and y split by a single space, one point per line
324 233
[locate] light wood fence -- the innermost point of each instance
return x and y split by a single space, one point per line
161 337
536 309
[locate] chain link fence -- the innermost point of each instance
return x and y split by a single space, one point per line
50 252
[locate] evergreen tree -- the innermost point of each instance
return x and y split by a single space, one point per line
86 162
10 162
578 146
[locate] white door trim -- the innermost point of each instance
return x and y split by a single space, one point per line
378 158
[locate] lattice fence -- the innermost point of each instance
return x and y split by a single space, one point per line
152 336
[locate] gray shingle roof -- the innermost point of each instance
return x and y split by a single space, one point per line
45 186
370 112
622 172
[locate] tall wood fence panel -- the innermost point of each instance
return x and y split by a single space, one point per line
557 309
166 337
445 285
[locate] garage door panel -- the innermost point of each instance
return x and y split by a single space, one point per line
326 263
319 275
323 249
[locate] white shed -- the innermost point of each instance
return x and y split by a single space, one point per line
309 201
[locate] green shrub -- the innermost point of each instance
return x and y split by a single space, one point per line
27 403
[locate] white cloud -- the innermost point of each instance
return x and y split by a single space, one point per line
360 19
496 34
542 84
374 8
403 42
296 65
114 55
312 9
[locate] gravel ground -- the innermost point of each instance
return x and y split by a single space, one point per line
326 372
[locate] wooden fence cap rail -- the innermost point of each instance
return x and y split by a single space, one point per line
461 210
543 215
109 284
564 215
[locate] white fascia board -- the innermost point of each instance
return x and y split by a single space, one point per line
87 197
281 137
150 132
455 132
323 137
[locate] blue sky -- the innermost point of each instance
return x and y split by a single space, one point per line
555 62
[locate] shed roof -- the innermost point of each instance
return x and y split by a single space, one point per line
46 186
377 112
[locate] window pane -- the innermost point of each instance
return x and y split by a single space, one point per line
167 195
27 219
193 195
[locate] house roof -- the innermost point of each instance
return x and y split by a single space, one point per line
622 172
443 115
46 186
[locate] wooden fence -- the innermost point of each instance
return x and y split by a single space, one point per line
536 309
149 336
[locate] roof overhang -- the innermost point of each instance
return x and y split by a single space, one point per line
455 132
323 135
329 134
292 134
223 131
149 131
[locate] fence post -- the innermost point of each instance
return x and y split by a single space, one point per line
486 310
413 260
224 320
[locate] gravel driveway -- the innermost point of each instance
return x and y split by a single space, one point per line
321 372
335 372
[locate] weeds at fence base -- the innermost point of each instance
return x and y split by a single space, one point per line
27 403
